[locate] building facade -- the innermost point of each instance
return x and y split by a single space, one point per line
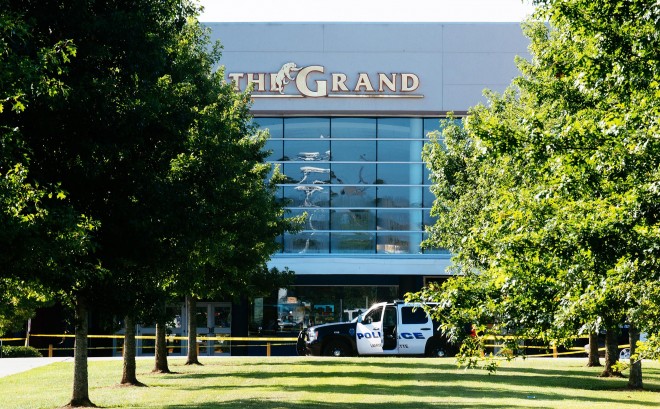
348 107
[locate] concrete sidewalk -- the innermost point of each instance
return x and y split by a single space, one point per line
10 366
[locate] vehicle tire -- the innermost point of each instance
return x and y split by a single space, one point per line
436 350
336 348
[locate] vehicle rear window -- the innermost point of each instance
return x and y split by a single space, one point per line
411 315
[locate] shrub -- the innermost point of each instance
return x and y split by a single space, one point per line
9 351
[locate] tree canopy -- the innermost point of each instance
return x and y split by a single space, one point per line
548 196
130 168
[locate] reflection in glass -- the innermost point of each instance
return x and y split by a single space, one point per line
397 196
307 242
364 128
307 127
305 306
400 128
430 125
396 151
354 151
222 317
300 173
357 178
353 196
201 317
354 173
276 150
429 220
353 219
353 243
399 220
399 174
274 126
308 196
317 218
398 243
307 151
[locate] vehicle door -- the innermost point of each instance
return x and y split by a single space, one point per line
414 330
369 335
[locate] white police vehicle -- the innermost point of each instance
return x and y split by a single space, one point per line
394 328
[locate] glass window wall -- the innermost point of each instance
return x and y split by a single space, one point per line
361 181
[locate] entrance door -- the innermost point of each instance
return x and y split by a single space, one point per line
213 321
369 332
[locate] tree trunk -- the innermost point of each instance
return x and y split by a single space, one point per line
611 353
191 306
635 376
128 376
160 364
80 397
594 359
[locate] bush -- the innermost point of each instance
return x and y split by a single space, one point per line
9 351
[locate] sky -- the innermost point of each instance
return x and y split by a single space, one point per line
365 10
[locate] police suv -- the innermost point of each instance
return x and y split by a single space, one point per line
394 328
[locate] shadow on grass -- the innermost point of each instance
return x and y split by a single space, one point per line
266 404
424 381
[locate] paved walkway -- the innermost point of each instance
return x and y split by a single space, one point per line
10 366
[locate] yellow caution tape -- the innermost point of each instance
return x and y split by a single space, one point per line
178 338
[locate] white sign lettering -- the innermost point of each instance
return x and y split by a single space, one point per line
312 81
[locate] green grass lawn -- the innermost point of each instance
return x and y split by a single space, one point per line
361 383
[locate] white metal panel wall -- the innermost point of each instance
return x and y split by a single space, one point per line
454 61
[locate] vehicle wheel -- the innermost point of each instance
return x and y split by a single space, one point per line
624 355
336 348
436 350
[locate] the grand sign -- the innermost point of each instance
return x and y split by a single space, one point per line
292 81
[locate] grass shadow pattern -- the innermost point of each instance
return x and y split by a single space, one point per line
361 383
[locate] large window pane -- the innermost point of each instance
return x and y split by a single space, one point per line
317 218
429 197
392 219
276 148
308 196
400 174
430 125
274 126
307 173
399 196
353 243
400 243
397 151
428 220
307 151
354 151
400 128
353 219
307 128
353 196
353 173
306 242
353 128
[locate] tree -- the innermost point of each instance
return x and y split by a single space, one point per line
229 217
550 193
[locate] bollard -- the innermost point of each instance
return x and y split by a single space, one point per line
50 350
267 348
197 349
554 351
